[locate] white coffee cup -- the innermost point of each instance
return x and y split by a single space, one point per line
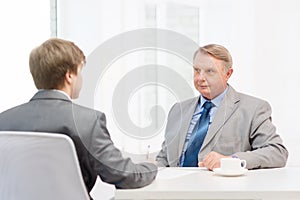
232 164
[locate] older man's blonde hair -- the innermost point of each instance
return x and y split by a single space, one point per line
218 52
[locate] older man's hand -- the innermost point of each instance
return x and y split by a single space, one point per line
212 160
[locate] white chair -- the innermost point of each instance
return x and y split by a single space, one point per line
39 166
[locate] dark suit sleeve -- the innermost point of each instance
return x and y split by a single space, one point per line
111 166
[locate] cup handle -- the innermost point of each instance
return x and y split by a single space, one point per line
243 163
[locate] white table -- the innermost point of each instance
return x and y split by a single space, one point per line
199 183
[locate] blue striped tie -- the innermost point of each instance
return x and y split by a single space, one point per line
194 146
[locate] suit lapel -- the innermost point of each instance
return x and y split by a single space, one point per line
186 119
228 106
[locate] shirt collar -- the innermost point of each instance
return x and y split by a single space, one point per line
59 91
216 101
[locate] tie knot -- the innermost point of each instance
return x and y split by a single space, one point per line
207 105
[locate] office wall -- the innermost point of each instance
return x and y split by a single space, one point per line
24 24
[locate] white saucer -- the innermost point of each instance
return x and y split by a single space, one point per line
230 173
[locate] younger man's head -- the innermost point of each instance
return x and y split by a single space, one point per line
55 64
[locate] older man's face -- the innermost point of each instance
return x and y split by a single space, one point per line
210 75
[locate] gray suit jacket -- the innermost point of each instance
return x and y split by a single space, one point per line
242 127
51 111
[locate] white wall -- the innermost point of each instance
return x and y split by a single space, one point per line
24 25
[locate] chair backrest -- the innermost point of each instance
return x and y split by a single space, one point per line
39 166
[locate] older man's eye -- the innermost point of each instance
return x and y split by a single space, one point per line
197 70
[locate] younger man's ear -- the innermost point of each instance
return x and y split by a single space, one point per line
69 77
